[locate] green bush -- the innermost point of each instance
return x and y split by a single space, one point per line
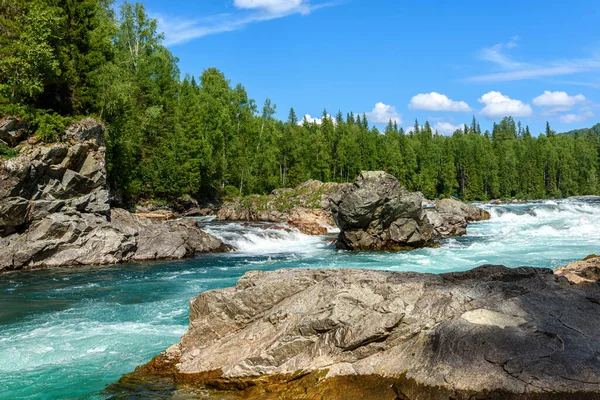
8 152
50 126
46 125
231 191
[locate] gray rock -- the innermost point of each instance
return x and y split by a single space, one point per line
12 131
377 213
492 332
74 238
86 130
450 217
54 211
158 240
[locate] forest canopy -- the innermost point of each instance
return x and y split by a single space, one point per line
170 136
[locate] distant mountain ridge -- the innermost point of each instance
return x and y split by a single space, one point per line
583 131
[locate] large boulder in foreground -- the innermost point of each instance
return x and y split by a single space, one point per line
488 333
377 213
306 207
54 209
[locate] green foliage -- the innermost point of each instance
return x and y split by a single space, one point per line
48 126
204 137
7 152
230 192
594 130
28 56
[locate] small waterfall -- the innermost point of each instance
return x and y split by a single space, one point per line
265 238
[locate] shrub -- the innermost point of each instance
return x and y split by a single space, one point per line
231 191
50 126
8 152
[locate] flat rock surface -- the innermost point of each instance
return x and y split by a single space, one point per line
491 332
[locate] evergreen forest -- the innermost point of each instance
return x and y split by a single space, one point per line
171 135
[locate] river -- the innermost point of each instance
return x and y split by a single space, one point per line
67 333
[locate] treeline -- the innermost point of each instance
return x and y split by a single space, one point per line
168 137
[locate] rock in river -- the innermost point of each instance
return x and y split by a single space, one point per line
488 333
584 271
450 217
377 213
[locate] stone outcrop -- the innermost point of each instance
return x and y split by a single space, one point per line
12 131
61 177
55 211
584 271
488 333
307 207
450 217
377 213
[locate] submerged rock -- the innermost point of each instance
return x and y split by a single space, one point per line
492 332
307 207
584 271
377 213
54 210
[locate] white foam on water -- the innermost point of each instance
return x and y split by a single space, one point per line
265 239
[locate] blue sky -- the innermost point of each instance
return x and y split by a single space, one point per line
438 60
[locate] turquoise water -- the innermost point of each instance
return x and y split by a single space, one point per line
67 333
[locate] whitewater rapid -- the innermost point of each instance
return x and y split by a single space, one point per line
67 333
542 234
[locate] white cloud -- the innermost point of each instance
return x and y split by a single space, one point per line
179 30
446 127
318 121
273 6
512 43
558 101
498 105
437 102
571 118
519 70
383 113
497 54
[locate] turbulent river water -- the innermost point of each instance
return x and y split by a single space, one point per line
67 333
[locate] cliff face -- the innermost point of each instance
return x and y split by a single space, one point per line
55 211
488 333
67 177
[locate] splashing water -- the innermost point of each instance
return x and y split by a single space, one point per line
67 333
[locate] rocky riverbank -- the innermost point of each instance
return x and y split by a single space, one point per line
306 207
55 207
491 332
